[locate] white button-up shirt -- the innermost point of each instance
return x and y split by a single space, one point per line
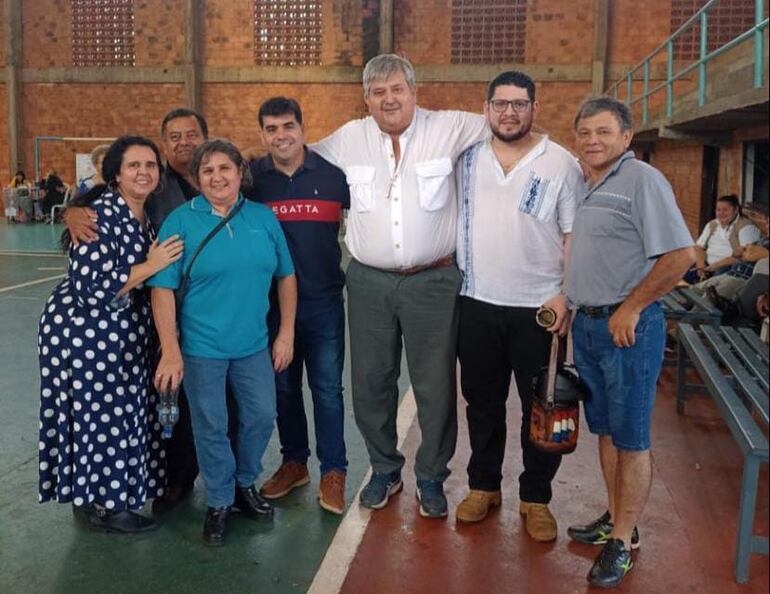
402 214
511 233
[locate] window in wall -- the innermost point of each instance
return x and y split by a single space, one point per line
756 160
287 32
726 20
488 32
103 33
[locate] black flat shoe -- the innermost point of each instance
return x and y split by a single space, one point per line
251 503
215 525
122 522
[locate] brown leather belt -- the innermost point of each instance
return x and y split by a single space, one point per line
440 263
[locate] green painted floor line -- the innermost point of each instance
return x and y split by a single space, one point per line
42 551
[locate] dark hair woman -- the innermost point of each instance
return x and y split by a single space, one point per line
98 441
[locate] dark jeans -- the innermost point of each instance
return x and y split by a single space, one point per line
319 346
493 342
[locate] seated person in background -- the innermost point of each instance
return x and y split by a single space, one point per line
723 240
727 285
23 201
54 189
750 303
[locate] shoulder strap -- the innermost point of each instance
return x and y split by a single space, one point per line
558 354
180 292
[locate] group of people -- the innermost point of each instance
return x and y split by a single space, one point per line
460 227
23 203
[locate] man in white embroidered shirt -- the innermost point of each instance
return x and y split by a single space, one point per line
517 202
403 282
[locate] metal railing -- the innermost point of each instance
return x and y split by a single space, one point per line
700 18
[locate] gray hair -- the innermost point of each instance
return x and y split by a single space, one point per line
596 105
384 66
227 148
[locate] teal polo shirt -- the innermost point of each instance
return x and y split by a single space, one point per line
225 308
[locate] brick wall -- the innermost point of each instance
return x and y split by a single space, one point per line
637 28
160 35
91 111
682 164
231 109
46 33
560 32
413 21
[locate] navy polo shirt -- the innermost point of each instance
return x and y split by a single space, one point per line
308 205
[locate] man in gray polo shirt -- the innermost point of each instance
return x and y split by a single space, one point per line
630 246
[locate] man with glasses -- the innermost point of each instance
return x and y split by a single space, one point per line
403 282
517 202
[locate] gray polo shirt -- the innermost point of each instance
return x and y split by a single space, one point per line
622 225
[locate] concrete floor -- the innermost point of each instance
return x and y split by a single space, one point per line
688 529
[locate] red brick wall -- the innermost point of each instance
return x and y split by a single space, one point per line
682 164
231 109
413 21
637 28
159 38
90 111
560 32
46 33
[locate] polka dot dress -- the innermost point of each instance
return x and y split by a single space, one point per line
99 440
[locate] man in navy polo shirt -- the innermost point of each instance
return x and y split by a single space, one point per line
307 194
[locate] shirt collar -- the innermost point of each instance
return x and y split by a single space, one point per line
406 135
201 204
613 170
311 162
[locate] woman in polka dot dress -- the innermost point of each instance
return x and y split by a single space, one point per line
99 446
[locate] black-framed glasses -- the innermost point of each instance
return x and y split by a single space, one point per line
518 105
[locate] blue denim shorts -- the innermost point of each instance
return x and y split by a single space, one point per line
622 381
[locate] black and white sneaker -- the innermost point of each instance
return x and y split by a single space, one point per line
611 566
598 532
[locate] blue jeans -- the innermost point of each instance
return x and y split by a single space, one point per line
319 345
251 381
622 381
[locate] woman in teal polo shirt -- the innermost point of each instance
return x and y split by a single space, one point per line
223 329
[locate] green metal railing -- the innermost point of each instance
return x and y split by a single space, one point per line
699 18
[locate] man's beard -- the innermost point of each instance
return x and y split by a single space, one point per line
526 126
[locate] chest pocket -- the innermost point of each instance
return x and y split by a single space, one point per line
360 178
539 197
433 179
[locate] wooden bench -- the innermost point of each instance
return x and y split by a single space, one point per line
733 364
685 305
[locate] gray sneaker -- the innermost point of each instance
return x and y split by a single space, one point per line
375 495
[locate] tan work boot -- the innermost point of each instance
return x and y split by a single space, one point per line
477 504
331 492
540 523
289 476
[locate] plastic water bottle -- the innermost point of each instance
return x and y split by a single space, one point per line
168 411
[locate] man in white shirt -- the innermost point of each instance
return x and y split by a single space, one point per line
517 201
403 282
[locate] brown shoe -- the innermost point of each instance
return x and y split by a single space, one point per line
477 504
331 492
288 477
540 523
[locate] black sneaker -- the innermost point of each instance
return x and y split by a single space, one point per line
215 524
611 566
251 503
598 532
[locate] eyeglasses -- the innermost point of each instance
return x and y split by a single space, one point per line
518 105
